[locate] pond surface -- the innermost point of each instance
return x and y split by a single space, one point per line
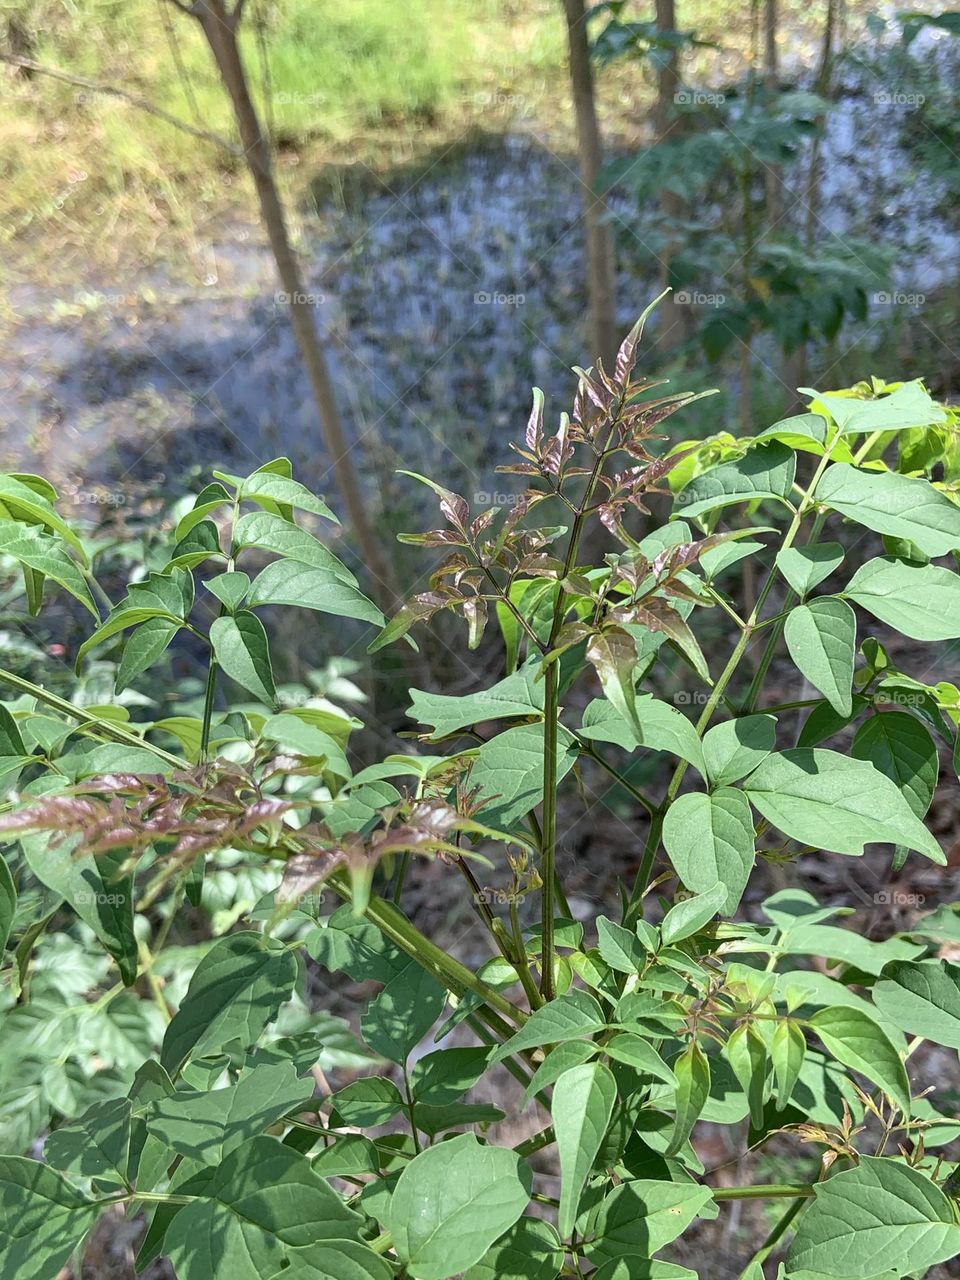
441 299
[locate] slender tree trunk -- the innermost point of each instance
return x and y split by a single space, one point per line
601 279
220 28
674 316
771 83
797 362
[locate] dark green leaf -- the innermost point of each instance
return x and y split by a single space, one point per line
452 1202
581 1108
822 639
236 990
240 645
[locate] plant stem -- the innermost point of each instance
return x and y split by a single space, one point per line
598 758
104 727
733 663
774 1238
208 697
456 977
548 847
764 1191
548 860
520 958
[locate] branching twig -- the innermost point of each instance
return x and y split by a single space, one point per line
111 91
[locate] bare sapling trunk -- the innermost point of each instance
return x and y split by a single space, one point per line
771 83
219 25
601 279
674 316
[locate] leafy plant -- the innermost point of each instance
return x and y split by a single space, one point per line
630 1033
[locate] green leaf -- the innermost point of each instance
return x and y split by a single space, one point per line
42 1220
691 914
268 488
268 532
807 431
295 734
28 499
369 1101
47 556
663 728
766 471
202 543
143 647
879 1218
709 839
619 948
89 885
903 750
240 645
806 567
508 772
631 1267
822 640
787 1051
167 597
581 1108
452 1202
8 902
826 800
747 1055
566 1055
339 1260
530 1250
229 588
236 990
207 1125
921 601
213 497
895 505
692 1069
909 406
348 1156
402 1014
446 1074
613 655
95 1146
639 1054
263 1197
733 749
921 998
569 1017
854 1039
292 583
640 1217
520 694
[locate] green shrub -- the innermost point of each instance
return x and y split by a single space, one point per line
631 1032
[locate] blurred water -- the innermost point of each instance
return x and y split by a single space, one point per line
440 300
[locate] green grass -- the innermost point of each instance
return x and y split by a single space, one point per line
89 184
360 81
